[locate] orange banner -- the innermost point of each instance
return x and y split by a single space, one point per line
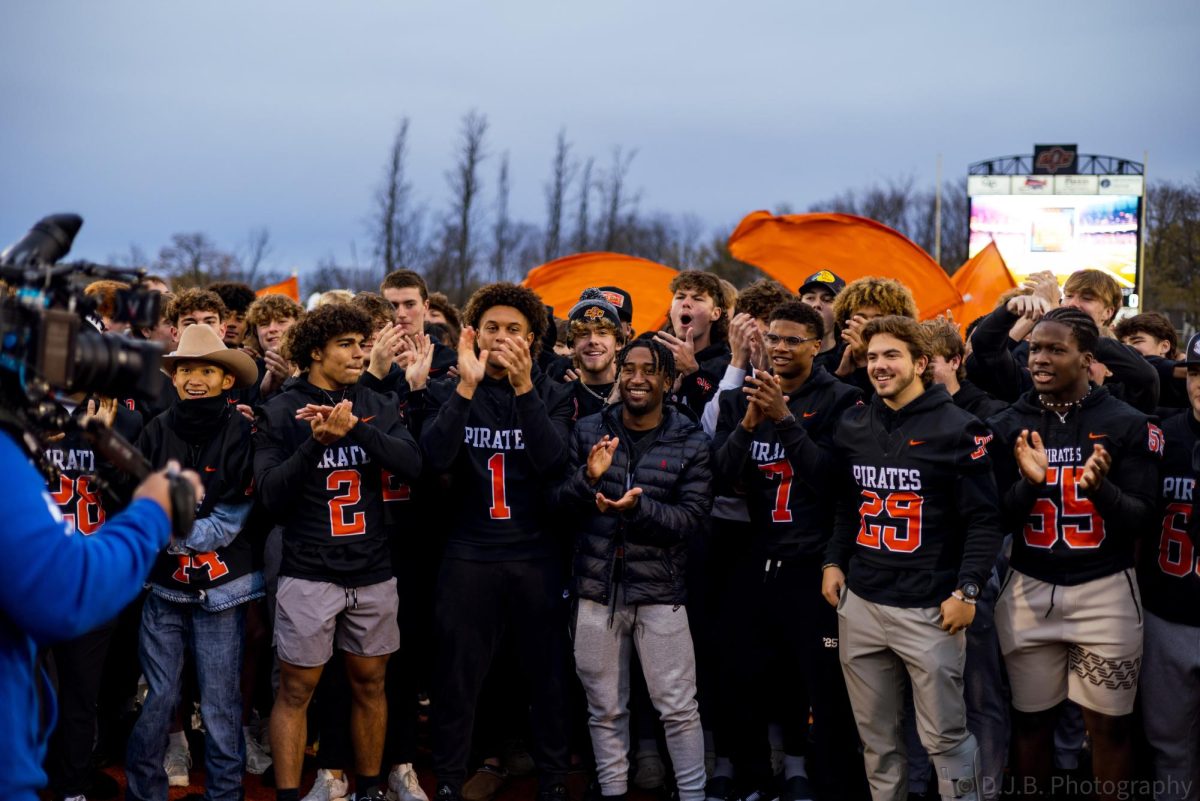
981 282
791 247
289 287
559 282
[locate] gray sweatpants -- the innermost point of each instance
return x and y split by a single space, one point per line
663 641
878 645
1170 688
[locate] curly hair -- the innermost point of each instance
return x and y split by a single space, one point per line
190 301
760 298
319 326
660 356
1083 327
797 311
908 331
105 293
523 299
270 308
947 342
236 296
886 294
1153 324
380 311
708 284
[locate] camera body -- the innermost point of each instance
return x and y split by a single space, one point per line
48 330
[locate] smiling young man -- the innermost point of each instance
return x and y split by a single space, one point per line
638 482
500 433
326 449
1077 471
199 588
237 298
594 335
699 336
915 538
774 439
267 320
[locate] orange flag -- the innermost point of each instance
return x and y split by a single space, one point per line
559 282
791 247
288 286
981 281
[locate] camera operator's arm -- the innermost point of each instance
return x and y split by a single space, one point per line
58 586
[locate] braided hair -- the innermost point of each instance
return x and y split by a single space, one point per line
660 356
1082 326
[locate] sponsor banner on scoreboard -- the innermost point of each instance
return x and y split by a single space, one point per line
1121 185
989 185
1075 184
1032 185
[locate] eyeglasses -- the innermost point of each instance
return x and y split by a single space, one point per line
792 342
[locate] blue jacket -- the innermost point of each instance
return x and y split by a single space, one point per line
55 586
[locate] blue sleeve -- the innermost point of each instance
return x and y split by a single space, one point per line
222 525
58 586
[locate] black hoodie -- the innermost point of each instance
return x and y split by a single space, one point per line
920 511
786 470
1061 535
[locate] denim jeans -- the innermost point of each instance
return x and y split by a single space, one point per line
215 639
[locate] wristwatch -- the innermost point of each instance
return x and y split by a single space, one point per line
967 593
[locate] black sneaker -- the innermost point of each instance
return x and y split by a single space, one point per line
556 792
719 788
377 793
796 788
446 793
760 794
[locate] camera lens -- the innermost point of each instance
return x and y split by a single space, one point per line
115 367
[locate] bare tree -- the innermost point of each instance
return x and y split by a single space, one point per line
582 239
618 205
396 224
194 260
257 248
502 233
561 173
465 187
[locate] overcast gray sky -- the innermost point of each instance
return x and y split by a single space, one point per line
150 118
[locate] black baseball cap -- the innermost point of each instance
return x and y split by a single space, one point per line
1192 355
621 299
823 279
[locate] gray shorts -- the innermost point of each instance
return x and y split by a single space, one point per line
311 615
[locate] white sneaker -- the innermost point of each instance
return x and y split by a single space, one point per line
177 763
327 787
257 757
403 784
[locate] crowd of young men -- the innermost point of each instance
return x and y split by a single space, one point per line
825 550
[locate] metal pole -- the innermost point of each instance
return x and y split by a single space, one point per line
1141 264
937 214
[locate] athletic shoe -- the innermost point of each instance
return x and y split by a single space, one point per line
557 792
651 773
257 758
761 794
177 763
403 784
719 788
485 783
796 788
328 787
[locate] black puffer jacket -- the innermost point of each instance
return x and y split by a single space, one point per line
676 497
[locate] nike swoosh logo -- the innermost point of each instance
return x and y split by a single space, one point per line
210 470
368 419
809 414
917 442
1096 436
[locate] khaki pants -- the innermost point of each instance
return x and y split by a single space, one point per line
881 646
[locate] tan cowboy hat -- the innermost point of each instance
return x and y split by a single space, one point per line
200 343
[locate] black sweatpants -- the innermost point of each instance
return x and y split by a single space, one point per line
476 605
776 623
78 666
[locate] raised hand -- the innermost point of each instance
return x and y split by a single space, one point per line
279 370
470 366
1095 469
387 346
684 350
622 504
600 457
328 429
739 340
416 372
1031 456
766 392
105 411
513 354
